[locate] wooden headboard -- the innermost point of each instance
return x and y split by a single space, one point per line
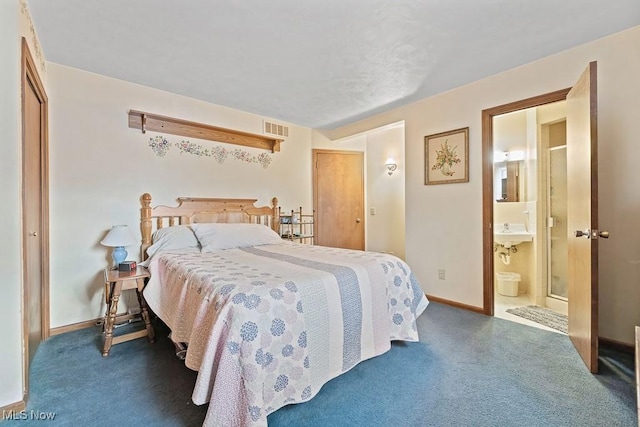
191 210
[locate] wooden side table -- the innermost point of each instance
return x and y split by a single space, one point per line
116 282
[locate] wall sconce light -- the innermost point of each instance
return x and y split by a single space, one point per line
391 165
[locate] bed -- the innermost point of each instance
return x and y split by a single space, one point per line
267 321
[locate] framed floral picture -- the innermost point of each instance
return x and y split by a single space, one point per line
446 157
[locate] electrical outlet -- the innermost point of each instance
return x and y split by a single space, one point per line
441 274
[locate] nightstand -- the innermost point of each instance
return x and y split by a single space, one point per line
115 282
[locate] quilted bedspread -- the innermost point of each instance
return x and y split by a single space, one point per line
268 325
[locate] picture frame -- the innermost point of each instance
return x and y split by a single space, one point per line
446 157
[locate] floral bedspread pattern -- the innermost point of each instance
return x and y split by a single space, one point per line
269 325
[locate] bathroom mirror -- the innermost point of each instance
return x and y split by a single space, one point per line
507 183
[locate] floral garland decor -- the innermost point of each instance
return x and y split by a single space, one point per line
160 146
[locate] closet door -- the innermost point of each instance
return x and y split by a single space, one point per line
35 232
338 198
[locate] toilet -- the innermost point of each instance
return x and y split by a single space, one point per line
508 283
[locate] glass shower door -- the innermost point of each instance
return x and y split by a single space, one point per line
557 223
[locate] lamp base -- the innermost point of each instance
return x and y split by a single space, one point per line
119 254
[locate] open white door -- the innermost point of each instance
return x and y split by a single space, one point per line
582 207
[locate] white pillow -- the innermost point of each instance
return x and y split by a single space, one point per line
214 236
176 237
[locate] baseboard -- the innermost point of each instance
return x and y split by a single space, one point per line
12 408
455 304
88 324
74 326
617 345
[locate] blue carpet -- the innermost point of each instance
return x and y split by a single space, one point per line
467 370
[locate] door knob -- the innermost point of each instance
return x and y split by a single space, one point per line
585 233
603 234
358 220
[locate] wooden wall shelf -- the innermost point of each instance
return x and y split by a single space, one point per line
156 123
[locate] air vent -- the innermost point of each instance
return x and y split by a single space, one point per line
276 129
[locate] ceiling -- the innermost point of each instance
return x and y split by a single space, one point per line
321 64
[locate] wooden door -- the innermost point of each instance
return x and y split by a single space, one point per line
338 198
34 209
582 215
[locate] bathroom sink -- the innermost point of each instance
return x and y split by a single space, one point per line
510 234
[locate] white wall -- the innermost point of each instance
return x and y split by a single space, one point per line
510 131
385 193
352 143
446 220
10 167
100 168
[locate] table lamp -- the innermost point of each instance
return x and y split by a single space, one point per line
118 237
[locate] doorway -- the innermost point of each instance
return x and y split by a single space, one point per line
488 184
35 211
530 216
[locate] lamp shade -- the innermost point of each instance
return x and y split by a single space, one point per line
119 235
